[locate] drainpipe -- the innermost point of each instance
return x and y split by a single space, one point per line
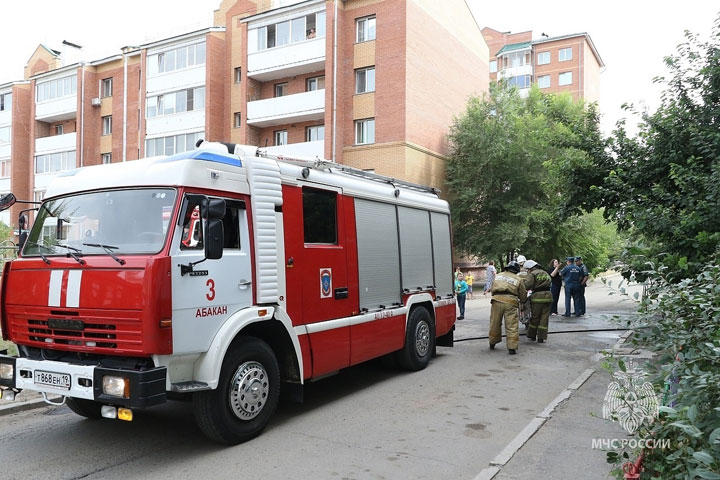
82 116
124 141
335 28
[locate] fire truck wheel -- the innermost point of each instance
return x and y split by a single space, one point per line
246 396
84 408
419 341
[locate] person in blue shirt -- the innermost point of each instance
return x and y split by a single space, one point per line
584 275
461 289
571 275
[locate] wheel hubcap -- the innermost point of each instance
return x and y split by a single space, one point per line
422 338
249 390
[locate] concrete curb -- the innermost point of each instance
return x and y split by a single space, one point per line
536 423
16 407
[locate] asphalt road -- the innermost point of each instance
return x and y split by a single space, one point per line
448 421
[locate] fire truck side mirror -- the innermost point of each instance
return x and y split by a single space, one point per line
7 201
214 229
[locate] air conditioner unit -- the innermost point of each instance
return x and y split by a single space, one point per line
95 102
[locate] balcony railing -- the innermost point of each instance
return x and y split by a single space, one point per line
301 107
288 60
56 143
57 109
303 150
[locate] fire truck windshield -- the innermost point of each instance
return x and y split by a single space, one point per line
132 221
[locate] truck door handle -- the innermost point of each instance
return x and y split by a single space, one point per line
243 284
341 293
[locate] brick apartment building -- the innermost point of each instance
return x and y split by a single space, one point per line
368 83
568 63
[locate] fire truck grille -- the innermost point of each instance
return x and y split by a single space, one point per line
114 332
93 335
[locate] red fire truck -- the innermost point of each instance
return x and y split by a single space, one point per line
221 273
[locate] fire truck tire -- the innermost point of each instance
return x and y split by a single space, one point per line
84 408
246 396
419 341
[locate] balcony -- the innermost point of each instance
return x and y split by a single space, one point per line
288 60
301 107
176 122
57 109
5 150
5 117
176 80
303 150
56 143
515 71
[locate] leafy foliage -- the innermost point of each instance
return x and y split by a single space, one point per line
502 176
664 184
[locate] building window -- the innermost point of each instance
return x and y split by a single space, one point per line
106 88
493 66
39 195
107 125
172 144
521 81
59 129
365 29
4 134
5 102
319 216
281 89
106 158
237 119
176 102
365 131
315 133
543 58
565 78
176 59
5 168
365 80
565 54
55 162
544 81
294 30
315 83
281 137
62 87
238 74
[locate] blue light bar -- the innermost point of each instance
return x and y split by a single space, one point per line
203 155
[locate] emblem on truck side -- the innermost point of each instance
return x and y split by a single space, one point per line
326 283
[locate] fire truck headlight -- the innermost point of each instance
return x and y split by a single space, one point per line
6 371
116 386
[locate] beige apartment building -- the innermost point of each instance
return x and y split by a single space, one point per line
567 63
367 83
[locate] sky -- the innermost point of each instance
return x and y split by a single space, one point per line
632 36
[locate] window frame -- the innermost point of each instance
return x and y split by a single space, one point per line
282 135
564 51
238 74
363 123
313 229
317 80
59 129
560 79
237 120
106 87
364 71
543 56
363 29
282 87
310 129
539 78
493 66
106 125
106 158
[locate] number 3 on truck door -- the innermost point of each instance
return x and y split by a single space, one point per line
211 287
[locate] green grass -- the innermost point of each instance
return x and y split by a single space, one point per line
11 348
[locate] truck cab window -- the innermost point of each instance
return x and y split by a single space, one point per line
231 223
320 216
192 227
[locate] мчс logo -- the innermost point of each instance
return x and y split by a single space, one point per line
630 400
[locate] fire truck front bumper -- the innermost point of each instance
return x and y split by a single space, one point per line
111 386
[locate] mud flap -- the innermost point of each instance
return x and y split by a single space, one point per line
447 340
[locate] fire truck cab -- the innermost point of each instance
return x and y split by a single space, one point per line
222 273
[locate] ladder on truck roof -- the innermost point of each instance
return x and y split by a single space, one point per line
329 165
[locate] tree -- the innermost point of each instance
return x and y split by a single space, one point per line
506 153
663 185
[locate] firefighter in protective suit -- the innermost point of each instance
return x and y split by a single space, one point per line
538 282
508 290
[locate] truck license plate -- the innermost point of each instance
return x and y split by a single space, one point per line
51 379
